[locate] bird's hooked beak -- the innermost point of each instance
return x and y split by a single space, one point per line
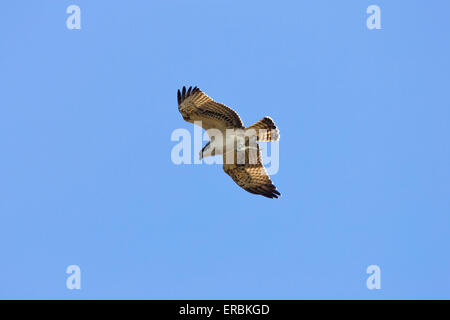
203 150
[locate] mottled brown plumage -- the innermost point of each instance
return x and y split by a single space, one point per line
194 105
251 176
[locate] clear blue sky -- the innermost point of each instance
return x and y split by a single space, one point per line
86 176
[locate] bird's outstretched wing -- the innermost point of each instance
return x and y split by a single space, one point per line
251 175
195 105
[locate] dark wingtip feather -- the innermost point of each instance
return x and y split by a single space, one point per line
274 194
269 195
183 94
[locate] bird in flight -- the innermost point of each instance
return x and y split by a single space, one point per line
241 158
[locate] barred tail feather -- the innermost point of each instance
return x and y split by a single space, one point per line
266 130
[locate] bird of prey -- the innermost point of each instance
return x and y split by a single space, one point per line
196 107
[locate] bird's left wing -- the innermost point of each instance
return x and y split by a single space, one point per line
251 175
195 105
